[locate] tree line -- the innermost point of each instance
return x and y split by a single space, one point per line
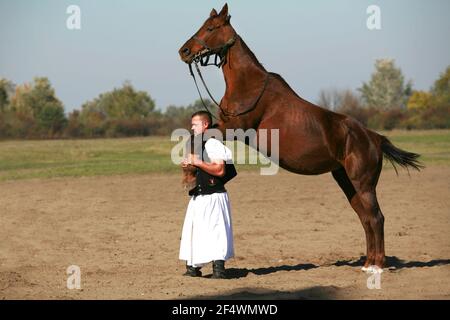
32 110
387 101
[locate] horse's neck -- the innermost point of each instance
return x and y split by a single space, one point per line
242 71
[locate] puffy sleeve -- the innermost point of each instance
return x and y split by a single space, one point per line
216 150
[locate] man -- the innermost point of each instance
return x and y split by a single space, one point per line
207 234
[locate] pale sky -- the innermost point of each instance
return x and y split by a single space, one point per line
314 45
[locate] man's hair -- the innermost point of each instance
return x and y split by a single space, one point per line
204 115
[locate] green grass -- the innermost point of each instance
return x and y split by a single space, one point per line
61 158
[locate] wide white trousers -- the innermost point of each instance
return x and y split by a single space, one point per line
207 231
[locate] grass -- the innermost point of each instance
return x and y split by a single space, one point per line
61 158
26 159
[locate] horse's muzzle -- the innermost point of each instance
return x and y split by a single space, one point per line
186 54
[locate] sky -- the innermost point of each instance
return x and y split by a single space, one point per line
314 45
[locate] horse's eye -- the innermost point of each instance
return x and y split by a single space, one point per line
210 29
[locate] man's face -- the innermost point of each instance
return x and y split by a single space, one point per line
198 125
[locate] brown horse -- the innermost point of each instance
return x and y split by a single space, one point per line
313 140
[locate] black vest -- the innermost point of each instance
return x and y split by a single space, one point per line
207 183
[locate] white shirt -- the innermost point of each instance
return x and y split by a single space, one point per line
216 150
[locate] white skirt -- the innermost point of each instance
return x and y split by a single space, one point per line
207 232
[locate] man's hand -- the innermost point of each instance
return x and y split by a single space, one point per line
184 163
192 159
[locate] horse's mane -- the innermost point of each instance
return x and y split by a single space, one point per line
251 54
275 75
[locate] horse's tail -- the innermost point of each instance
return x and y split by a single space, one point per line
396 155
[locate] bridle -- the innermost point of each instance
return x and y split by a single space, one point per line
220 52
219 60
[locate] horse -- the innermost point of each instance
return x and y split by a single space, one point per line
312 140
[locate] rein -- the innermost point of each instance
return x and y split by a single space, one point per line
221 54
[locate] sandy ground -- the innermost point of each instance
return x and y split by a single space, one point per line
296 237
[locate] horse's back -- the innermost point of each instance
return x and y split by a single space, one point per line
312 139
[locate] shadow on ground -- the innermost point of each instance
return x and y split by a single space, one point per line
312 293
392 263
395 263
234 273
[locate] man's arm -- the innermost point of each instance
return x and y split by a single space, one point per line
216 167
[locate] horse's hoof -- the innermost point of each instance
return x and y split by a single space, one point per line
372 269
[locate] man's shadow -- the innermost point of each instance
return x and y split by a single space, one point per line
392 263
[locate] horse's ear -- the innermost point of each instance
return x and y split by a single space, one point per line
224 12
213 13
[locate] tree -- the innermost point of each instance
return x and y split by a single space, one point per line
74 127
37 103
33 98
420 100
180 117
6 91
431 109
330 99
121 103
350 104
386 89
52 119
441 89
120 112
344 101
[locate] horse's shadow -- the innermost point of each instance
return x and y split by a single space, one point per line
395 263
392 263
234 273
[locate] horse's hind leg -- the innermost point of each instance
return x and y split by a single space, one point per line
363 166
358 177
346 185
368 205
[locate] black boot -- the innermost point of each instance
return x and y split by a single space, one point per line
192 271
218 269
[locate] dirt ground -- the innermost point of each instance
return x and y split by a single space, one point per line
296 237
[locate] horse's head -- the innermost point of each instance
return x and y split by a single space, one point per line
215 36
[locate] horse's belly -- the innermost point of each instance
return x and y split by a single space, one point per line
302 148
307 160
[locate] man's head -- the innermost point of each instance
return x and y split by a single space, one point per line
200 122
